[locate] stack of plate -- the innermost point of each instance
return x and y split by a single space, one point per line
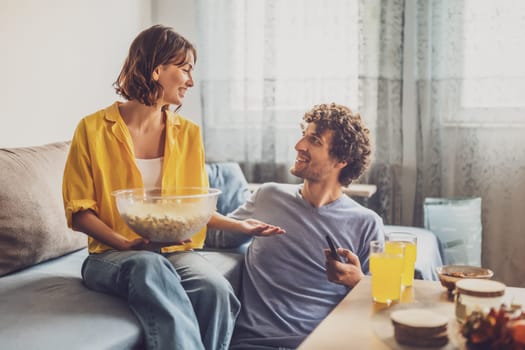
420 328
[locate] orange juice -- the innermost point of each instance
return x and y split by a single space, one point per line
410 262
409 242
394 247
386 269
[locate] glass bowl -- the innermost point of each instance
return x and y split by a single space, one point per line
166 215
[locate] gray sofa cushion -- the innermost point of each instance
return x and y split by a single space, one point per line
229 178
32 221
47 307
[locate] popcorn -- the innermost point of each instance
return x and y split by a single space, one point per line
162 223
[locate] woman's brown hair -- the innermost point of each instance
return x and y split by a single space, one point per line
155 46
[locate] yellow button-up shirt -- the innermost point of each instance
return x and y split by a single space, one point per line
101 160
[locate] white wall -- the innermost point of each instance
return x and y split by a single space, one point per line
182 16
58 61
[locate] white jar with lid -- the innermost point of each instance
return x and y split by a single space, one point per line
477 294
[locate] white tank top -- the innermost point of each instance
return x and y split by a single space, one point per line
151 170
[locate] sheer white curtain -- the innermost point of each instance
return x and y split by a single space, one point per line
446 91
440 84
381 62
263 64
471 116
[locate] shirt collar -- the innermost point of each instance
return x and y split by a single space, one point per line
112 114
172 118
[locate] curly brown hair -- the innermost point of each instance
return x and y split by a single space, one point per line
350 142
153 47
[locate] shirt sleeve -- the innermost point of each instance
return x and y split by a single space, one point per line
77 185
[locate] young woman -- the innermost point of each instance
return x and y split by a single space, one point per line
181 301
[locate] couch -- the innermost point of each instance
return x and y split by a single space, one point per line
43 302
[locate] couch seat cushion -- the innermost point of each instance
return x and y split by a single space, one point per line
48 307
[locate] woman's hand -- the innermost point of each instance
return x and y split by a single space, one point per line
145 244
347 273
247 226
88 222
259 228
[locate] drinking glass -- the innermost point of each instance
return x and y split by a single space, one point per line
410 242
386 267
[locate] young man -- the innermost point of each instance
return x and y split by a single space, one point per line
290 282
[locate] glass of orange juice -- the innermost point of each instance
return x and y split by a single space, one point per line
386 267
410 242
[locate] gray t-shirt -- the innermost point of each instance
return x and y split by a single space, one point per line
285 292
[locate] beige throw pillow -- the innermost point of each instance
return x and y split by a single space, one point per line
32 221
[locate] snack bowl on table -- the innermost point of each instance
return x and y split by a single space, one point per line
166 215
450 274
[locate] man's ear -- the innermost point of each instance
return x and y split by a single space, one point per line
341 164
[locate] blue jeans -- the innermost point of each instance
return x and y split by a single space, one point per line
180 299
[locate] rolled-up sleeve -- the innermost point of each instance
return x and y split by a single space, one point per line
77 184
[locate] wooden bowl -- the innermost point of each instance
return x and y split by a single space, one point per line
450 274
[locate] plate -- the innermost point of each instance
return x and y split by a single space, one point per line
384 329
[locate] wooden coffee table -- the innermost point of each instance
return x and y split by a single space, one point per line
359 323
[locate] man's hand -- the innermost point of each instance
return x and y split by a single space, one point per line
259 228
346 273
